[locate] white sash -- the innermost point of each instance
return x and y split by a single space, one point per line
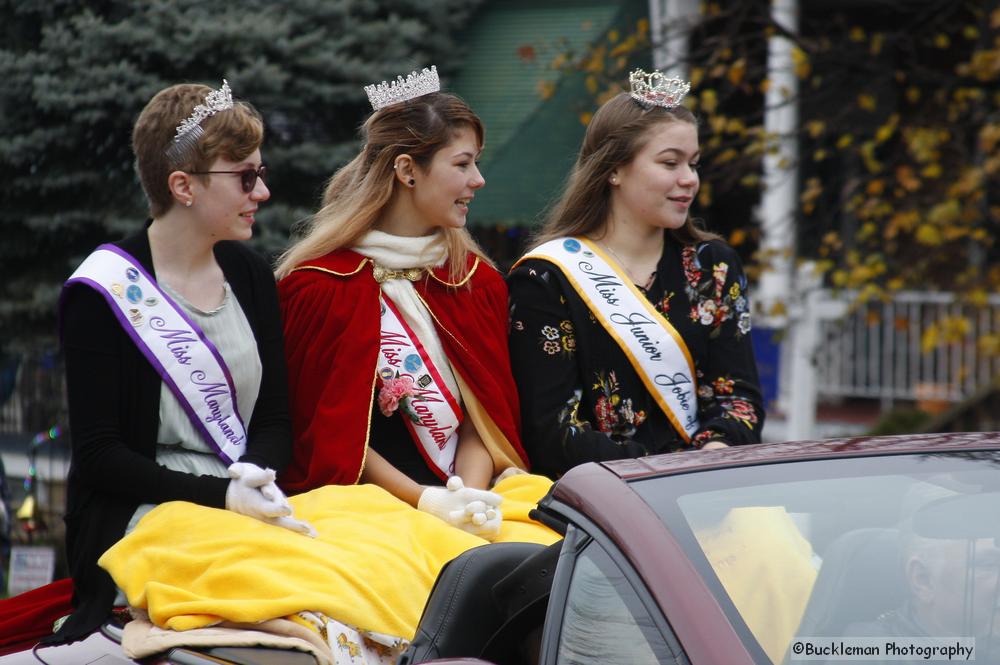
652 345
432 414
177 348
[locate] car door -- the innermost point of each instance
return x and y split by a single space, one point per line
600 612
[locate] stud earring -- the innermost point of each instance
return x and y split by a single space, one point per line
412 182
614 181
189 203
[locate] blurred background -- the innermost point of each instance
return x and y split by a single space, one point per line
851 154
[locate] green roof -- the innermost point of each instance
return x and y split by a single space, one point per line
531 142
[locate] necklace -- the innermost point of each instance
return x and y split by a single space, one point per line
642 285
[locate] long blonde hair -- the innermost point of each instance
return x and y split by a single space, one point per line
616 133
359 192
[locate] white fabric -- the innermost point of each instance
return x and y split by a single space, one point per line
399 253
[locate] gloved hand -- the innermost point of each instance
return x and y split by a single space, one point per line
253 492
452 504
484 521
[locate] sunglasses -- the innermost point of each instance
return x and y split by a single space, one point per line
248 177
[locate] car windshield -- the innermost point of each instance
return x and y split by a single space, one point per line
892 546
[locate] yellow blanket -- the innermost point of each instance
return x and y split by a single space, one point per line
372 566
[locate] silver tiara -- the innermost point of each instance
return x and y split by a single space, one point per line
189 131
656 89
415 85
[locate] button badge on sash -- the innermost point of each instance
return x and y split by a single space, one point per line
135 317
132 274
118 289
412 363
133 294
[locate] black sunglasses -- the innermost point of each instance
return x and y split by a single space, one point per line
248 177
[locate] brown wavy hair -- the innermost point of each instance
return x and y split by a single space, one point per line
617 132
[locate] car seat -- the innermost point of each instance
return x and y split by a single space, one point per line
460 615
861 577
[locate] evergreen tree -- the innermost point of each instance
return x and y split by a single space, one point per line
77 73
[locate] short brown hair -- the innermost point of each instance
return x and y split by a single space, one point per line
616 133
233 134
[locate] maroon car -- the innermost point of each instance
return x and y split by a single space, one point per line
761 554
758 554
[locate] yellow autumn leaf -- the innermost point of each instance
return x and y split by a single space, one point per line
736 71
705 194
613 36
875 187
885 132
913 94
866 101
737 237
815 127
875 46
929 340
736 126
697 74
942 41
545 89
586 117
928 235
750 180
800 62
907 178
765 85
931 171
844 141
819 155
709 101
642 26
727 155
856 34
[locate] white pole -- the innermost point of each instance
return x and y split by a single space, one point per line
779 202
670 24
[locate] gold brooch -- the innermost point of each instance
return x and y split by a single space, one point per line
382 274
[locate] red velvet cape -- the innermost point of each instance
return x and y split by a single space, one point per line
331 313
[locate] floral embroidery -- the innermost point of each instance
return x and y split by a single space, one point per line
703 437
615 415
663 306
712 304
740 410
558 340
723 386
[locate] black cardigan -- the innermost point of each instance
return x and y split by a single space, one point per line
114 402
581 398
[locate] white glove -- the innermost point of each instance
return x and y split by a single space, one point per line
253 492
459 505
484 521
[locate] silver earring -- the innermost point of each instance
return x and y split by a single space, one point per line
189 203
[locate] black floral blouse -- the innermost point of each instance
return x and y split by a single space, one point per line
581 399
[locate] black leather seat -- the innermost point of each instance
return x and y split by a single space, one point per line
861 577
461 615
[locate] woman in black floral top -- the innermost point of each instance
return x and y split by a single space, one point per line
581 398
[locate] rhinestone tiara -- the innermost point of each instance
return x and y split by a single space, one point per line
189 131
415 85
656 89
